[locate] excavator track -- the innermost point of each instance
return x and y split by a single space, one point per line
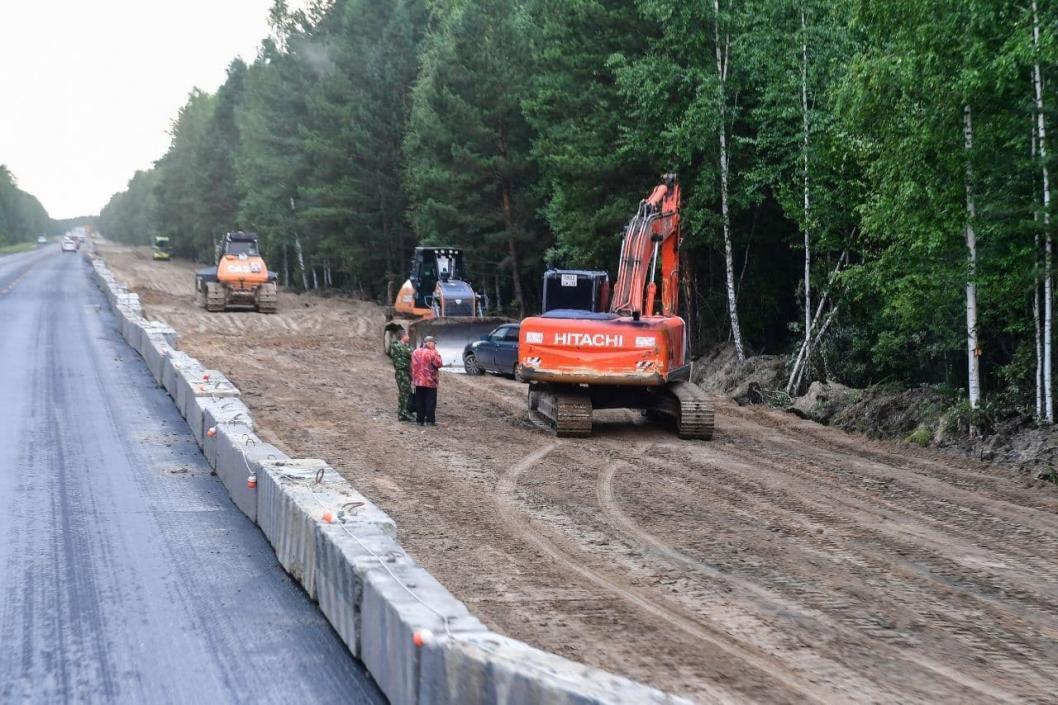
267 298
697 415
215 297
568 413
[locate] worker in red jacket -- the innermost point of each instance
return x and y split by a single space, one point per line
425 363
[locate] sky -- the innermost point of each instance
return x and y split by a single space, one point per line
88 88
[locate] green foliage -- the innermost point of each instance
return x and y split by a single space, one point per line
526 131
22 217
470 167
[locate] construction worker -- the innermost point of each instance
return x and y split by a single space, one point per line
425 363
400 353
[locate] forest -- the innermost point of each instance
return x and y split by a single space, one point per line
866 182
22 217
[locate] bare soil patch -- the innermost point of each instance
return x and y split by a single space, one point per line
784 562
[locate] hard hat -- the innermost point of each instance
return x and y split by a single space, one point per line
428 339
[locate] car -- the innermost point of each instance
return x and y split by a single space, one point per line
68 245
42 240
495 352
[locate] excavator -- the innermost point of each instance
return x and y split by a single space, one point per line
241 278
633 356
438 301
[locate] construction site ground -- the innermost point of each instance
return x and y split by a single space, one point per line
782 562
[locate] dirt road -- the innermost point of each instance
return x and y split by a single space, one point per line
784 562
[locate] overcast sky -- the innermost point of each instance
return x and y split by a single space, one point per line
88 87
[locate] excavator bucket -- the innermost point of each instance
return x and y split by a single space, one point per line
452 335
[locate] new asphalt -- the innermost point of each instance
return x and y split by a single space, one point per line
126 573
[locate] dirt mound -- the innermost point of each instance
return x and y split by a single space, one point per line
823 400
883 412
753 382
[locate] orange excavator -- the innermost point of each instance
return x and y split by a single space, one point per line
634 356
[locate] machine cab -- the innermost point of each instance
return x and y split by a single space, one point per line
433 265
576 290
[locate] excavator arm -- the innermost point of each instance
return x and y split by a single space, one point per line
651 237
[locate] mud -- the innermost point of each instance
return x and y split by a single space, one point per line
784 562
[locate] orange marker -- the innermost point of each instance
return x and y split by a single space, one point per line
212 431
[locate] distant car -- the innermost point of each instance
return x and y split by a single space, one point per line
68 245
495 352
42 240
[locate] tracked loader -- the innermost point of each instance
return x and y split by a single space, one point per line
240 280
438 301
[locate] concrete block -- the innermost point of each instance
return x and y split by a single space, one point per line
197 381
164 330
397 604
343 558
239 455
196 414
216 414
292 497
176 360
489 669
157 352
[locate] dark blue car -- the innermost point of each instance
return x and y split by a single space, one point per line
495 352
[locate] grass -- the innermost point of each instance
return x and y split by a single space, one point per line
17 247
921 436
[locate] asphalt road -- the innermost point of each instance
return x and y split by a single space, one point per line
126 574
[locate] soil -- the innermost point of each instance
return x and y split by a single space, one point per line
783 562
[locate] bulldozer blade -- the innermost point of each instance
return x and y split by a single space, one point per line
452 335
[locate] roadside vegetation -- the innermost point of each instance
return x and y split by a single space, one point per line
22 217
867 183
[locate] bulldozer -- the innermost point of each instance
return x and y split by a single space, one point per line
240 280
438 301
161 250
633 355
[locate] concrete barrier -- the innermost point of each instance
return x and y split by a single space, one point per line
397 604
216 415
196 381
485 668
156 352
344 555
177 360
240 454
196 415
292 498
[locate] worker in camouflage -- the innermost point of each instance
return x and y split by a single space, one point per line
400 352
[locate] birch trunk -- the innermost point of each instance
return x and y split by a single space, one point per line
301 262
286 268
1039 348
1041 136
722 62
974 380
1036 297
808 242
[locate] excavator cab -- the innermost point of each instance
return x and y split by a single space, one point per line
576 290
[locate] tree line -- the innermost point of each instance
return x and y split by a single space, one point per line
866 182
22 217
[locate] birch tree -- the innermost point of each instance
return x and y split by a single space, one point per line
972 349
723 58
1041 142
